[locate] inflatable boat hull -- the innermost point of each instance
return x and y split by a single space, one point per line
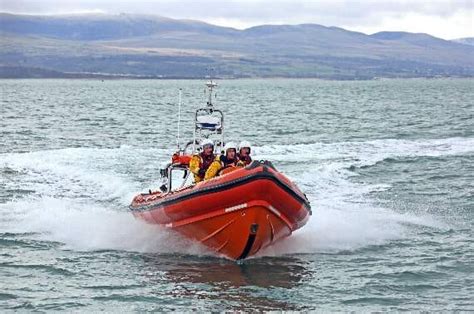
235 215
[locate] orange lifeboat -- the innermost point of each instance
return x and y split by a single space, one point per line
236 214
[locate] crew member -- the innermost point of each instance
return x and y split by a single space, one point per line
244 154
199 163
226 160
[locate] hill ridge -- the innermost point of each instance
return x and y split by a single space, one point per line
158 46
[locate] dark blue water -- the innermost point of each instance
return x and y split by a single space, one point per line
387 165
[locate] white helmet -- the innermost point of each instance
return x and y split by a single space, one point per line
245 144
207 142
230 145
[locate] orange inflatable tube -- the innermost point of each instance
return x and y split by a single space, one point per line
236 214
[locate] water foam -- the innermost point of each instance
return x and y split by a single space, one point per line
345 217
81 196
81 199
367 153
86 226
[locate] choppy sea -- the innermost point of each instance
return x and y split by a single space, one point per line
388 167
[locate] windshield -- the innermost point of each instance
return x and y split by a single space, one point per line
180 178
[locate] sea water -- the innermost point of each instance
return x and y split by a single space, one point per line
387 165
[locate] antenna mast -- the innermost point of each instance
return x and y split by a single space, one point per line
179 117
210 86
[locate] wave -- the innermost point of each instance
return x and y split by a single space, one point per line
345 216
85 226
81 195
367 152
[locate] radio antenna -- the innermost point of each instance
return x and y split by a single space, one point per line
179 117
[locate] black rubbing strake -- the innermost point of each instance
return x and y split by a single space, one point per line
228 185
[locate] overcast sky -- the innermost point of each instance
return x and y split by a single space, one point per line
447 19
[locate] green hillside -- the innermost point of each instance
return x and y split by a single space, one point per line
152 46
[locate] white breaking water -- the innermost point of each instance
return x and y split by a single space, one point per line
80 196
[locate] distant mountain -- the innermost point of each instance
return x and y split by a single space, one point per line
154 46
466 41
100 26
414 38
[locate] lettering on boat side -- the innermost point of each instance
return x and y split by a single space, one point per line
236 207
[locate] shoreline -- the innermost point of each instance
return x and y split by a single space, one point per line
131 78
